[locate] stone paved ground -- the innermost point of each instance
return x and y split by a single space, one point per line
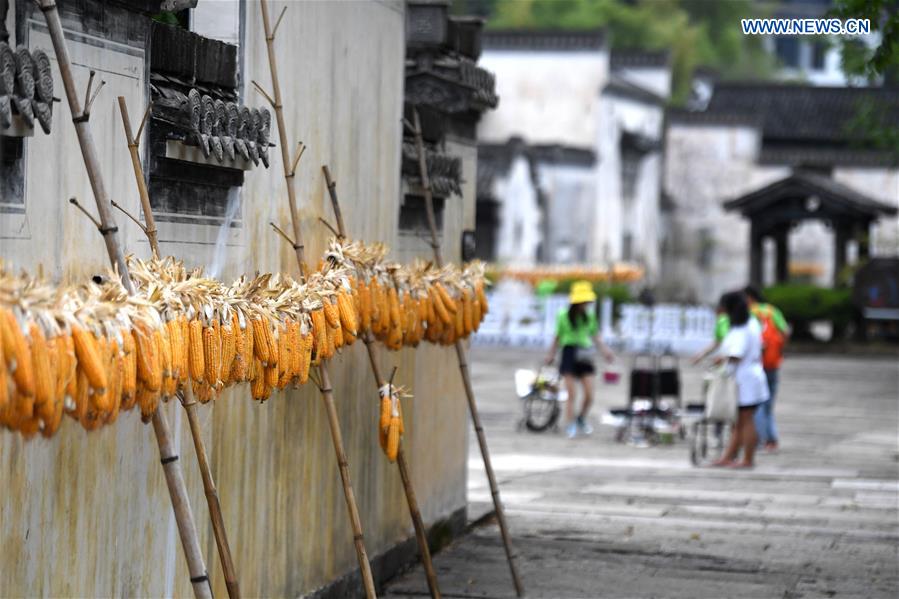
593 518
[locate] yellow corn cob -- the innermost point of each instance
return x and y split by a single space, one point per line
44 383
239 363
268 339
399 412
88 353
348 337
45 408
435 326
482 297
258 388
328 348
165 361
448 302
336 337
271 376
384 421
285 357
101 400
184 367
422 307
53 418
439 308
129 373
173 331
4 383
149 370
6 337
22 409
115 382
81 395
71 365
431 317
332 316
203 392
395 339
297 347
229 334
468 301
459 322
196 351
147 400
393 438
476 314
306 360
212 355
347 312
374 296
365 304
18 355
319 333
29 428
383 309
396 320
62 366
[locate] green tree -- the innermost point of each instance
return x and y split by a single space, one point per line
881 60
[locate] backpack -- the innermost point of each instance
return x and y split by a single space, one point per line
772 340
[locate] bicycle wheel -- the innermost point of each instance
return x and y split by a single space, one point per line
541 413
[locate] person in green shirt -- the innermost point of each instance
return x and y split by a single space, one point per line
577 334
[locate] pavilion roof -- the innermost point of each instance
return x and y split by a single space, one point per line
831 194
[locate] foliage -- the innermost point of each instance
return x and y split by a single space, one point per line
803 304
882 60
697 32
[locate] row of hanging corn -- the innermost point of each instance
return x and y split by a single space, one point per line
92 351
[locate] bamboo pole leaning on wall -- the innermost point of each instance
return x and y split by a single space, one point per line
186 396
368 339
461 354
172 468
297 242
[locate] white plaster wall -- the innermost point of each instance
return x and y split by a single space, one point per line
705 166
571 200
545 97
607 216
655 79
641 216
520 219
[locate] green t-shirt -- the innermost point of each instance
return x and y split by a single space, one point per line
581 336
722 324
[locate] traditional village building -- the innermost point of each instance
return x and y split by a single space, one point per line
570 165
819 191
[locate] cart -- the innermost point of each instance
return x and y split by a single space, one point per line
655 405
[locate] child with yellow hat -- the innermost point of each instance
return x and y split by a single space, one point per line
577 334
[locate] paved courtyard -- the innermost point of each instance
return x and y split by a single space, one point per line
594 518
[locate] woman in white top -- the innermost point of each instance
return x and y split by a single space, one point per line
741 348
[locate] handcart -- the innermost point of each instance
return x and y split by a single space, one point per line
708 436
654 409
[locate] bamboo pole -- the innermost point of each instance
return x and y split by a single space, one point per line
171 467
414 512
326 389
463 362
186 396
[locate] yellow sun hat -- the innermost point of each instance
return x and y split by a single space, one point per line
581 293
